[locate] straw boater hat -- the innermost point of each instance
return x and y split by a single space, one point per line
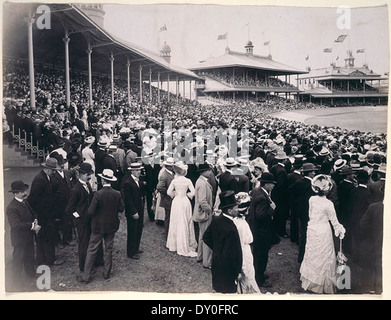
230 162
169 161
339 164
107 175
135 166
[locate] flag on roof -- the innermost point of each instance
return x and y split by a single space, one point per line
222 36
164 28
327 50
307 57
341 38
360 51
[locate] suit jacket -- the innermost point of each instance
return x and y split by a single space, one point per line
151 176
345 190
203 199
20 219
302 192
260 215
243 183
100 154
110 163
280 191
228 182
162 186
223 238
104 209
79 201
61 190
374 187
132 195
41 199
361 199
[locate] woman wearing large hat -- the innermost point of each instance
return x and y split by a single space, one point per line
181 234
318 269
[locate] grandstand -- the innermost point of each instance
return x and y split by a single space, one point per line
245 75
348 85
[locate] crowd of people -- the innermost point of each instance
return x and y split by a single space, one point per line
224 204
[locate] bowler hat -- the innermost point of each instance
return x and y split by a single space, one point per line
345 171
227 199
203 167
309 166
281 155
86 168
18 186
267 177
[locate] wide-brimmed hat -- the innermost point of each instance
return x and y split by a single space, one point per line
103 142
18 186
321 184
203 167
108 175
227 199
169 161
324 152
135 166
267 177
180 168
345 171
243 200
281 155
51 163
85 168
309 166
230 162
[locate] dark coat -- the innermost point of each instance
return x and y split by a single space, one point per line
20 219
223 238
132 195
61 191
100 154
41 200
302 192
260 216
151 176
162 186
345 204
104 209
79 201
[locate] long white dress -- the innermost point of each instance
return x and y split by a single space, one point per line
319 267
248 282
181 235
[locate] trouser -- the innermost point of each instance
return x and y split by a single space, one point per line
294 227
92 252
279 219
261 249
83 234
167 219
23 258
46 245
135 229
204 253
149 197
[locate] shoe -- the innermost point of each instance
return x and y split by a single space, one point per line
160 222
135 256
140 251
80 279
207 267
58 262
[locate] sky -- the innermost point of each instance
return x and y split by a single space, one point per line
293 33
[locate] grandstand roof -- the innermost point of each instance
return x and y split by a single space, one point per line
49 46
342 73
238 59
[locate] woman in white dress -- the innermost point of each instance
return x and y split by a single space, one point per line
89 156
319 267
181 235
247 277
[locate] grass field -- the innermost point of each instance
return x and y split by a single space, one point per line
365 119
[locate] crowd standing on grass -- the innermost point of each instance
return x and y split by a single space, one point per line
184 164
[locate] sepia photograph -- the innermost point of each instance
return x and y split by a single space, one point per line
200 150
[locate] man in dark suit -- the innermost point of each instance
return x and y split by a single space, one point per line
79 200
222 238
103 210
109 162
41 200
164 182
152 170
62 184
100 155
133 197
226 179
260 220
280 195
292 178
23 227
302 192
